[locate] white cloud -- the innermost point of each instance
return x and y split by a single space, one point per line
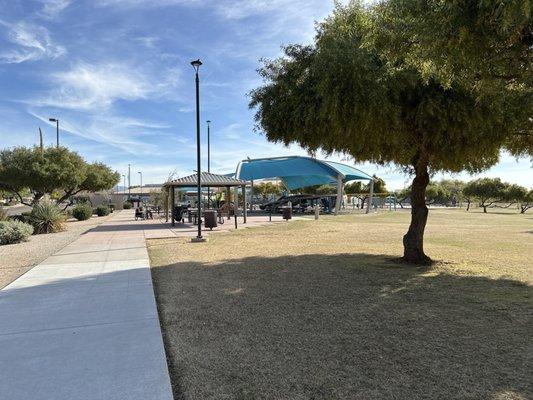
97 86
31 42
51 8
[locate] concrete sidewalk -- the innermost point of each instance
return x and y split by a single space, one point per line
83 324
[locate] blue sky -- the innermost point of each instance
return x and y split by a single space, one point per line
117 75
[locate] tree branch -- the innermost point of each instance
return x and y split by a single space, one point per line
15 192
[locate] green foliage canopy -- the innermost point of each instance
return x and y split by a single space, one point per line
353 92
52 170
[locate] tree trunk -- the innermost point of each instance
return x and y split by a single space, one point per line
413 241
468 205
485 209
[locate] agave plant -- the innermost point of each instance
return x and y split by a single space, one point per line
46 217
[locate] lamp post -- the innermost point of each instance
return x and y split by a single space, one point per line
208 159
196 65
124 176
129 181
57 129
141 174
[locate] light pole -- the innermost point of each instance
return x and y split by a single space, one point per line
124 176
196 65
141 174
57 129
129 181
208 159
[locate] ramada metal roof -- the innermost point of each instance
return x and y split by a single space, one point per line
207 179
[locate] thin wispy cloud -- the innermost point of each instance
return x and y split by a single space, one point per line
52 8
97 86
28 42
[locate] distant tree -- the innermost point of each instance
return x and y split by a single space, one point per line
379 186
437 194
454 190
402 195
51 170
41 172
267 189
98 177
353 92
353 187
486 190
526 201
514 193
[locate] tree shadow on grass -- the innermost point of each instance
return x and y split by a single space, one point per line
343 326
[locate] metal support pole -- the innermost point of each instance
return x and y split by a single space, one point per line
208 161
369 204
244 209
57 132
338 201
252 196
172 198
198 154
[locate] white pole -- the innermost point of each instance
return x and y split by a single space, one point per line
244 209
369 204
338 202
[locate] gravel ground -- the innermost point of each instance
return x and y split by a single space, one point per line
16 259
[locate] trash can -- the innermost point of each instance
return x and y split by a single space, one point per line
210 219
287 212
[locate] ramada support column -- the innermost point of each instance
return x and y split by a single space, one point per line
340 190
172 199
244 209
370 196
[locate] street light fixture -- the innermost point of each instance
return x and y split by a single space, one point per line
57 129
124 176
196 65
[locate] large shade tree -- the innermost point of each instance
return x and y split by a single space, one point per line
50 170
350 92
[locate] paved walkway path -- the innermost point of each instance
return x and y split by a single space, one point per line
83 324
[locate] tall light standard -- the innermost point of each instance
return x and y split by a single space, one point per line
208 159
141 174
129 181
196 65
124 176
57 129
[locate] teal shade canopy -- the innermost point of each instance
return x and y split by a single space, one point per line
297 172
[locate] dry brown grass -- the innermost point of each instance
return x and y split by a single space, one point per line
319 310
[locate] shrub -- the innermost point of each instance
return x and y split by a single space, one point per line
82 212
126 205
46 217
3 214
112 207
14 232
102 211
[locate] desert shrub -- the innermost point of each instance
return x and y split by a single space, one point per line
82 212
3 214
14 232
126 205
46 217
112 207
102 211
